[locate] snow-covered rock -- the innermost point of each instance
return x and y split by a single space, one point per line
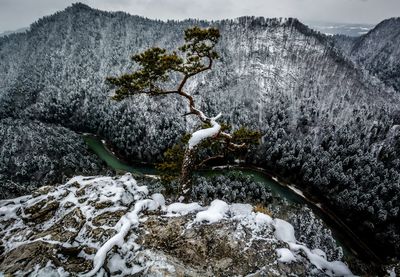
214 213
285 255
284 231
94 225
182 208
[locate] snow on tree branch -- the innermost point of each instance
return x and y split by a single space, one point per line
202 134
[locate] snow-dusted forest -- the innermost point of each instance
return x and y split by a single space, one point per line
34 153
328 125
377 51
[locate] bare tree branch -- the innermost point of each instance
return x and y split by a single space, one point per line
221 156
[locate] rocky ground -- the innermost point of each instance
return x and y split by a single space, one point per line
107 226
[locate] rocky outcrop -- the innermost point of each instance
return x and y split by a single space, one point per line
63 229
222 249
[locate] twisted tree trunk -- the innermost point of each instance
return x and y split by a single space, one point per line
186 172
188 163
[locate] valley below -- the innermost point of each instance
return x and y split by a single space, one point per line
77 175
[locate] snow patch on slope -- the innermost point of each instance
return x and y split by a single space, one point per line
335 268
285 255
284 231
214 213
179 209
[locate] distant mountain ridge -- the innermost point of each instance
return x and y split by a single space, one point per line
378 51
20 30
336 28
328 124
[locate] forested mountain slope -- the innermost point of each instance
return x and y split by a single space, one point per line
33 154
327 125
378 51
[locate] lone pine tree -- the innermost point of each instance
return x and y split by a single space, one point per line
195 56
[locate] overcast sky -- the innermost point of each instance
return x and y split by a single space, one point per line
15 14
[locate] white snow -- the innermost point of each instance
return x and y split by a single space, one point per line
159 199
285 255
263 219
9 212
296 190
179 209
202 134
335 268
284 231
392 272
117 266
214 213
319 252
240 210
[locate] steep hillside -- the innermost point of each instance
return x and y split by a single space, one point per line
328 126
34 154
378 51
57 72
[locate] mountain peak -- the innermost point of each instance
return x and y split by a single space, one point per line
377 51
392 20
78 6
390 24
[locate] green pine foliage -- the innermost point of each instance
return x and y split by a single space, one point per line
169 168
157 64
